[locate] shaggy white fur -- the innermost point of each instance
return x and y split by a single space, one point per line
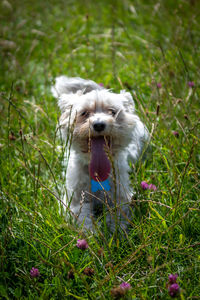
90 112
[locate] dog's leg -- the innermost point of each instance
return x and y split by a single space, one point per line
84 215
118 215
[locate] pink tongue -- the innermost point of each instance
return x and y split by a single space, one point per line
99 167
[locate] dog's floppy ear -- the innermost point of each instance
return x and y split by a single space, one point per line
66 101
128 101
68 115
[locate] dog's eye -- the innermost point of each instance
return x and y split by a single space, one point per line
84 113
112 112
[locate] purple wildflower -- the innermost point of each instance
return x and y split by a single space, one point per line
174 290
152 187
82 244
144 185
175 133
101 84
34 272
159 85
191 84
125 286
172 278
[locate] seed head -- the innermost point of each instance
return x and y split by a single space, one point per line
117 292
70 274
89 272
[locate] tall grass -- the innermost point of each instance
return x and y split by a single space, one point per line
148 47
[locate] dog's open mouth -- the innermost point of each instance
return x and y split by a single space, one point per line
99 166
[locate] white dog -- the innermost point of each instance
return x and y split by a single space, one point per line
105 133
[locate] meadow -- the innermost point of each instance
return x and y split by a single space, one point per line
150 48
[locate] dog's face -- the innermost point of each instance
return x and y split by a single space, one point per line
95 114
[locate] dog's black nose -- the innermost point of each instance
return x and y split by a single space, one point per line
99 126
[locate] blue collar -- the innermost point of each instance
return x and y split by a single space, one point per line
100 185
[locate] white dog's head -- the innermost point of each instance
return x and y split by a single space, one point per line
90 111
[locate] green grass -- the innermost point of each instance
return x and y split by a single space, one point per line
123 44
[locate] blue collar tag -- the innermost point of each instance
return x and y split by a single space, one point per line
100 185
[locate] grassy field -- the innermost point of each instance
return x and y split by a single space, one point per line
150 47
